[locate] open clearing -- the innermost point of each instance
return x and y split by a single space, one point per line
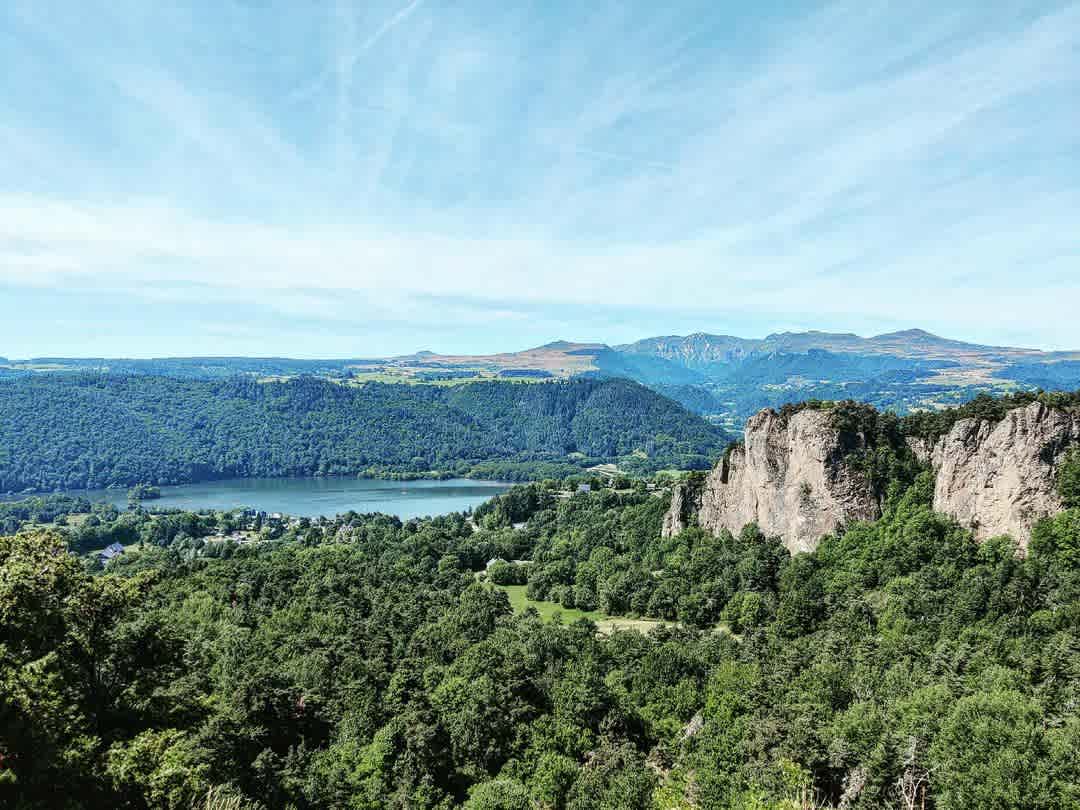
519 601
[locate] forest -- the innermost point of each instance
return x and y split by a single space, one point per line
363 662
69 431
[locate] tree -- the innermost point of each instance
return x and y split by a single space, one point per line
1057 539
552 780
989 754
63 665
1068 480
499 794
158 767
614 778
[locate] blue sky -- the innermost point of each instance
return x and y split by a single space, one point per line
364 178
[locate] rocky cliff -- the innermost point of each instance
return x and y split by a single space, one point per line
795 478
1000 477
789 476
679 514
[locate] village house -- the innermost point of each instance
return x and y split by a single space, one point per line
112 550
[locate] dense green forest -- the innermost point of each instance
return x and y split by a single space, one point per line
67 431
931 424
39 509
359 663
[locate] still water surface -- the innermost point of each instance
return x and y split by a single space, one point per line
312 497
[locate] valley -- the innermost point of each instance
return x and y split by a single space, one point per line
837 579
724 378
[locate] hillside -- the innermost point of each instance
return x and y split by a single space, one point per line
359 662
734 377
902 371
912 348
86 430
701 350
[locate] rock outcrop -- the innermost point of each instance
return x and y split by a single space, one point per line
678 515
793 477
1000 477
789 476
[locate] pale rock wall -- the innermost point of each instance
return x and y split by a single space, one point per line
677 516
789 477
1000 478
792 478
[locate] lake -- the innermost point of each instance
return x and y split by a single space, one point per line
314 497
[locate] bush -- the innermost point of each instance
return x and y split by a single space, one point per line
502 572
1058 538
1069 479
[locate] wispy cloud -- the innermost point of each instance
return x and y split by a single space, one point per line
838 166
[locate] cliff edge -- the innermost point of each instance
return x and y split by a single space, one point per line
796 475
1000 477
790 476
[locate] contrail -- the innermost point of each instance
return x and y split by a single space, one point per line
390 23
315 86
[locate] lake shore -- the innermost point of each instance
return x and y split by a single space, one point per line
323 496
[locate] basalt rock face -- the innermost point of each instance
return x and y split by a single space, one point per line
678 515
1000 477
790 476
794 476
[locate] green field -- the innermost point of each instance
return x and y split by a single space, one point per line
411 377
393 377
519 601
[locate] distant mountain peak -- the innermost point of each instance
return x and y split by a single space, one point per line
570 346
789 333
910 334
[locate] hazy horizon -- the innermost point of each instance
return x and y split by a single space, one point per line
492 351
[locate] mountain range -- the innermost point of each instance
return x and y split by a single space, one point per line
722 376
